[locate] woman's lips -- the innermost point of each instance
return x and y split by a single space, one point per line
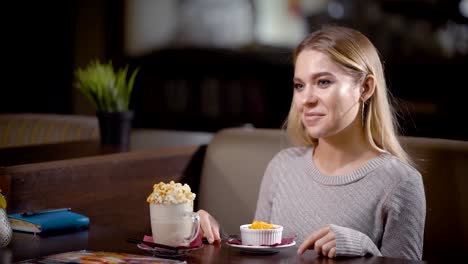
312 118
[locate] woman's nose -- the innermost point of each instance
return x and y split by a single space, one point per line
309 96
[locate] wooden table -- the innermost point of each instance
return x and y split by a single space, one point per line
113 223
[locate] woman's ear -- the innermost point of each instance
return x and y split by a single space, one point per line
368 87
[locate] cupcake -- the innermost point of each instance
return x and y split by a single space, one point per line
261 234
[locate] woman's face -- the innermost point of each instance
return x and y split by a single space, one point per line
326 97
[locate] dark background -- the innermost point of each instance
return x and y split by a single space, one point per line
206 88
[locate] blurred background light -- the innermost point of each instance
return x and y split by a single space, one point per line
336 10
463 6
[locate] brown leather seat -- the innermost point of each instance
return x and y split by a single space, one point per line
236 159
444 166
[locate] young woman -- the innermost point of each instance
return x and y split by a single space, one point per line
348 188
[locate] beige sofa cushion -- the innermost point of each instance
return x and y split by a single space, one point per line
232 172
236 159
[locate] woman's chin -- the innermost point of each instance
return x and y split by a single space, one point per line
315 132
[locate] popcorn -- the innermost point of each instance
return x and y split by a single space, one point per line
171 193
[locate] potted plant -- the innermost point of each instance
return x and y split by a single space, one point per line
109 91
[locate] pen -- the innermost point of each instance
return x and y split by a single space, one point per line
31 213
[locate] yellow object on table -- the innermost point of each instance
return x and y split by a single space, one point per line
2 200
261 225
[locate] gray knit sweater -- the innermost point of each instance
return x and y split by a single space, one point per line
378 209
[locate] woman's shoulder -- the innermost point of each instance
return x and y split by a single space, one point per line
400 170
287 155
405 182
293 152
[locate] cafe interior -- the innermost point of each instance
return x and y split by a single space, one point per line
211 92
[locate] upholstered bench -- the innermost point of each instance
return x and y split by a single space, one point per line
31 129
235 161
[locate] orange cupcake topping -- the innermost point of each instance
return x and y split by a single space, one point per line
261 225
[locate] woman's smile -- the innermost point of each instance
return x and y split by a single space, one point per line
313 117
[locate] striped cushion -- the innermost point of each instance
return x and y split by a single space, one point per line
33 129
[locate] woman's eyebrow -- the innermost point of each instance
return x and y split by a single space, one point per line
314 76
297 79
320 74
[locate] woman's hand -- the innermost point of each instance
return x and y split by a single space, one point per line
323 242
209 226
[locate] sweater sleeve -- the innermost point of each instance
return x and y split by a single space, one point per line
265 196
405 211
350 242
405 214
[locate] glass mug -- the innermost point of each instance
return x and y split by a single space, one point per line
5 229
174 224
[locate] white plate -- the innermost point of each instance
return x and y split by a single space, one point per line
261 249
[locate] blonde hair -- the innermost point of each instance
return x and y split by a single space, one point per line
358 56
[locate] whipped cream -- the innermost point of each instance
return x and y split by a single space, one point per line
171 193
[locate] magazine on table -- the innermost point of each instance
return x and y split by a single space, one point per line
95 257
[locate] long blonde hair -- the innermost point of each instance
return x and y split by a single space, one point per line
358 56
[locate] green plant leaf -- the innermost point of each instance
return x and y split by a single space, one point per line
131 81
107 89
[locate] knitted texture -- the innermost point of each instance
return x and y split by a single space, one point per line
378 209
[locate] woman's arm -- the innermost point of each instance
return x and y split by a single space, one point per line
405 214
334 240
350 242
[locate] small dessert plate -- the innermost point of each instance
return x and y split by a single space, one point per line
261 249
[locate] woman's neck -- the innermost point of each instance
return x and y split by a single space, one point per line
343 153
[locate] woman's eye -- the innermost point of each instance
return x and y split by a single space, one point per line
298 86
324 83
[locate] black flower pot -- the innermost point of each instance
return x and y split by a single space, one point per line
115 128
